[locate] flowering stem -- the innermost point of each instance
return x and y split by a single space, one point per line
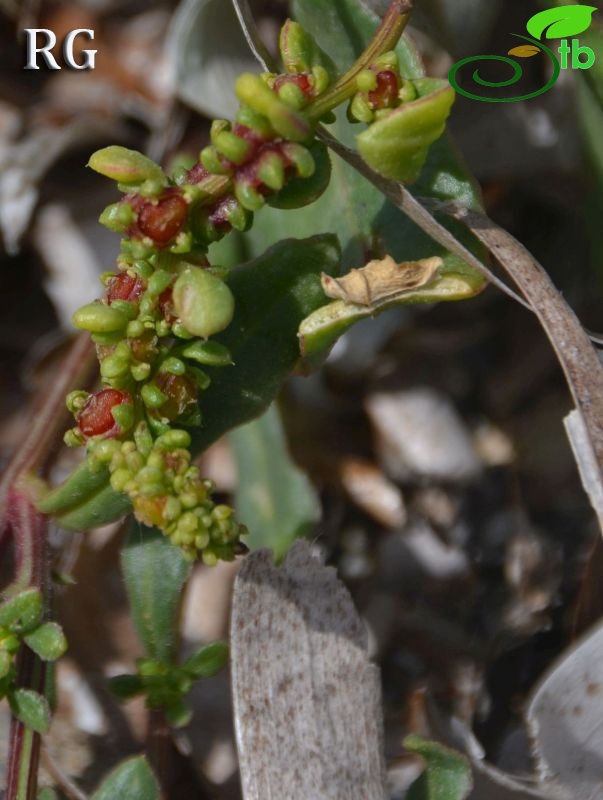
385 38
28 529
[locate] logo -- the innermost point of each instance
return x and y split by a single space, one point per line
554 23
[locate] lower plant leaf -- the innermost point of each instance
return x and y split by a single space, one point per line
447 774
133 779
274 498
154 572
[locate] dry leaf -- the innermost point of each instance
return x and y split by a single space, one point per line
524 51
307 699
380 279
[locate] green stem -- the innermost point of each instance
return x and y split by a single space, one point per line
386 37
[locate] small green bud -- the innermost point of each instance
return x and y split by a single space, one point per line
251 90
301 158
126 166
360 110
118 217
217 127
113 367
213 354
388 60
143 439
321 79
203 302
128 309
140 372
240 218
188 522
172 509
271 170
73 438
152 396
150 475
210 559
123 414
233 147
159 282
99 318
76 400
173 440
181 332
407 92
135 329
248 196
292 95
105 449
256 122
212 162
174 366
120 479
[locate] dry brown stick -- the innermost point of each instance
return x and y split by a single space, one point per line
577 356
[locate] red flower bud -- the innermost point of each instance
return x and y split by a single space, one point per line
301 80
386 93
163 219
96 419
124 287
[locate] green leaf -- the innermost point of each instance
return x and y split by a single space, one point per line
208 660
30 708
154 572
396 146
560 23
133 779
274 497
447 774
24 610
319 332
273 293
48 641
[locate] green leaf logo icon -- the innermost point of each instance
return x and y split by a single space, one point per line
560 23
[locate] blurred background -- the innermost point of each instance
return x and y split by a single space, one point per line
432 453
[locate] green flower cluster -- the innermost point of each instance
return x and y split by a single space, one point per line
168 492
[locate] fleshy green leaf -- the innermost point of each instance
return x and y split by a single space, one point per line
48 641
154 572
24 610
447 774
133 779
319 332
208 660
560 23
274 497
396 146
30 708
273 293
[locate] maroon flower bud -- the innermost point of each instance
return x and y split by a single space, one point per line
385 94
124 287
300 79
96 419
163 219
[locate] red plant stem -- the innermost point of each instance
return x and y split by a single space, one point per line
48 416
28 529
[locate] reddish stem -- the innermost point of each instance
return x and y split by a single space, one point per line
28 529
